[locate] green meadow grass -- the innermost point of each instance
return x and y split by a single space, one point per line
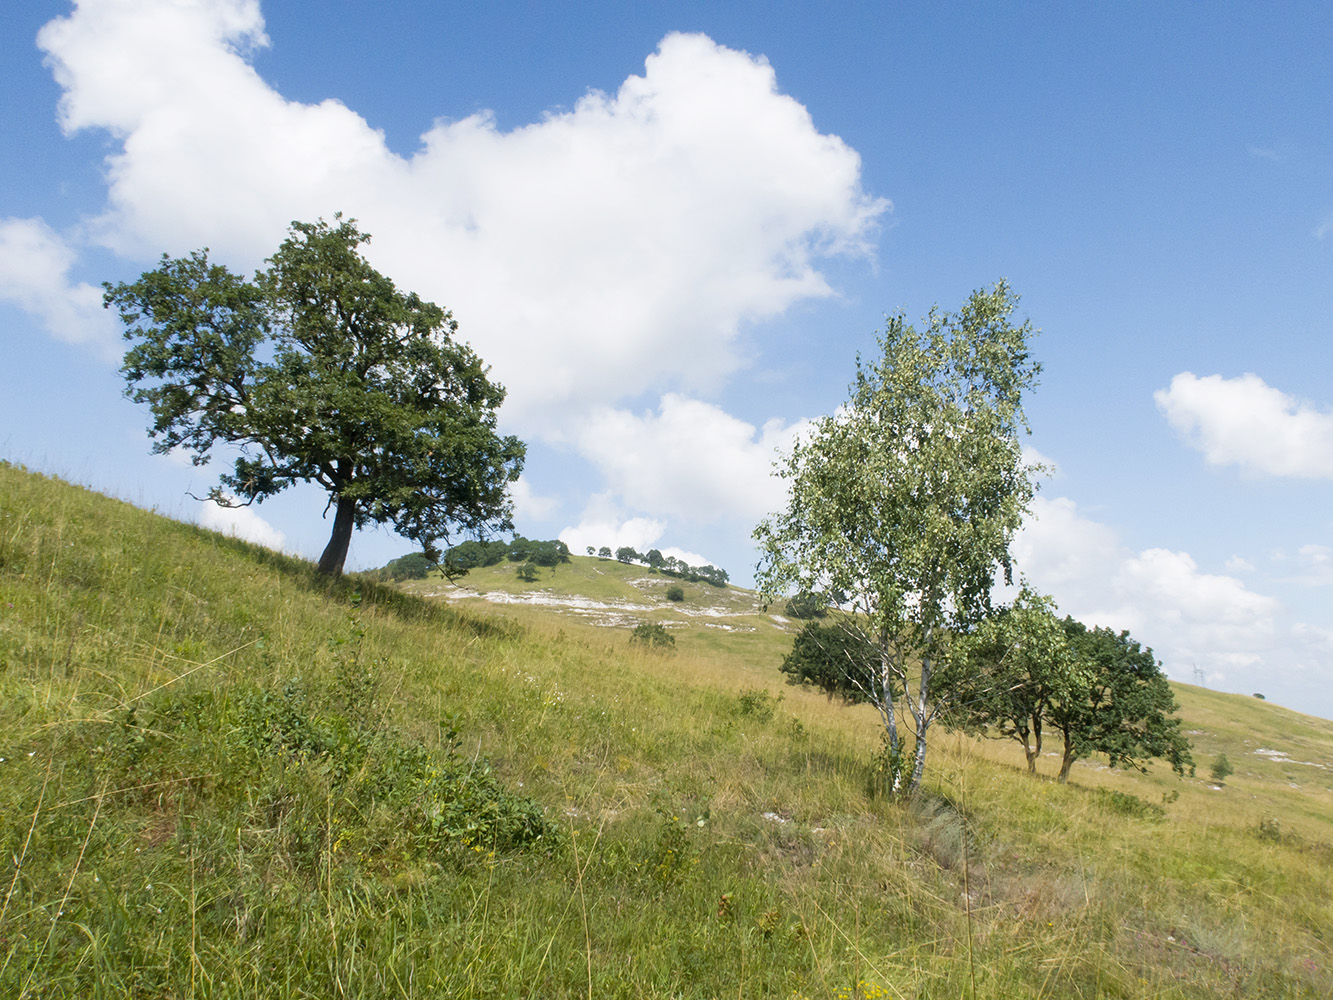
224 776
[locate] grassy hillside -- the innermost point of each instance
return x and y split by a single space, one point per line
223 776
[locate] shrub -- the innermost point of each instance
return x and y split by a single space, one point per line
837 659
527 572
758 703
674 593
1222 769
807 605
653 636
1125 804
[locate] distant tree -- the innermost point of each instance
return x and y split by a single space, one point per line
907 499
1023 672
1221 769
654 559
413 566
838 659
652 635
1259 696
472 554
592 550
1127 709
527 572
626 554
674 593
604 552
550 554
320 370
807 605
1010 673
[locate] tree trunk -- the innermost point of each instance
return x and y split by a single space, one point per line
920 711
1067 761
1035 752
335 553
1030 754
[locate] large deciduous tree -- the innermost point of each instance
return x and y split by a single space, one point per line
1011 673
1025 672
1127 710
321 370
905 501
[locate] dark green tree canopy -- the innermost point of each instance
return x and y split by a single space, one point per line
321 370
1128 709
838 659
1024 671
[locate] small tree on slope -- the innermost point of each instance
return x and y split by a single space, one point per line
906 500
320 370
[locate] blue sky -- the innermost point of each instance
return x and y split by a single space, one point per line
671 227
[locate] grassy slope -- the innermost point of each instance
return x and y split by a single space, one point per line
156 844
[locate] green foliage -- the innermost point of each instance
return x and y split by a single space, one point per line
413 566
838 659
669 565
758 704
653 636
528 572
1023 671
1126 709
1221 769
1124 804
320 370
444 801
807 605
907 499
474 553
1005 677
889 767
675 593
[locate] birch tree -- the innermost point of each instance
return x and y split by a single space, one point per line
903 504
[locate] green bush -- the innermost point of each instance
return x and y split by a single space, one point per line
653 636
837 659
674 593
807 605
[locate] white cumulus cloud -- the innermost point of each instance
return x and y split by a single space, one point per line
689 459
35 262
605 524
1162 597
1246 422
617 247
242 522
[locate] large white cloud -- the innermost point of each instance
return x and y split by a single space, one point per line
689 460
1190 617
242 522
618 247
35 262
605 524
1246 422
